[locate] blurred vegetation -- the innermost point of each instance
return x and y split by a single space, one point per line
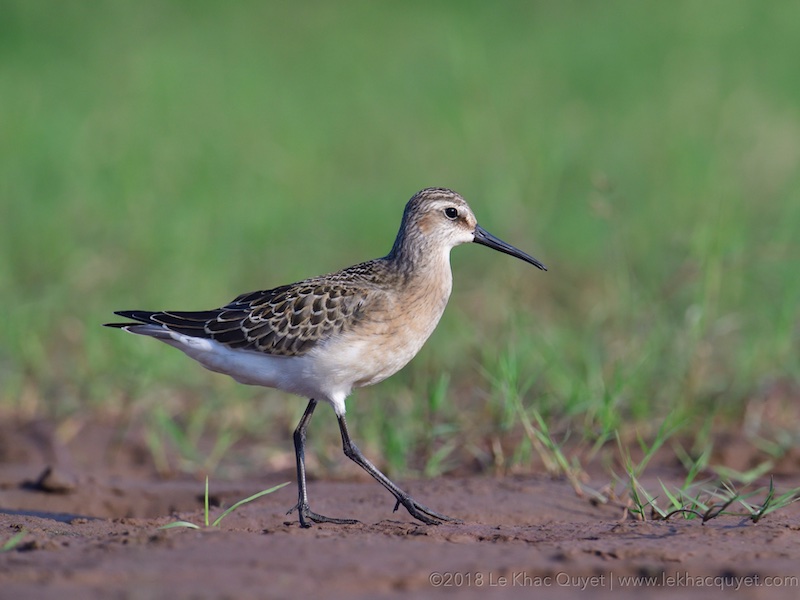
174 154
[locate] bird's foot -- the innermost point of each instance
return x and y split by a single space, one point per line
306 514
422 512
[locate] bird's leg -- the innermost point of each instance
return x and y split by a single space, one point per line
415 509
303 510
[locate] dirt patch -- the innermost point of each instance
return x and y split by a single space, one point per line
94 534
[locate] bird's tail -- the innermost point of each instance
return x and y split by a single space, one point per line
146 325
143 316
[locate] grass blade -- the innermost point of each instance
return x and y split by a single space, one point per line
205 503
180 524
13 541
218 520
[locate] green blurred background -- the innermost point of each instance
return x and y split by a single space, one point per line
170 155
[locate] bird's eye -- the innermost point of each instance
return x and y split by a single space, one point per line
451 213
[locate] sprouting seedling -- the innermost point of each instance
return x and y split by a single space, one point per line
709 504
13 541
692 499
695 508
770 503
218 520
640 498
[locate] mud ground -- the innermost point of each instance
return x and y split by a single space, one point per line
92 523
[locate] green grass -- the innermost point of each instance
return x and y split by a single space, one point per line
173 155
705 501
218 521
13 542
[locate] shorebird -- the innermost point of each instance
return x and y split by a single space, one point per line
321 337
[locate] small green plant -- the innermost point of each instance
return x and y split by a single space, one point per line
716 503
702 500
218 520
13 541
770 503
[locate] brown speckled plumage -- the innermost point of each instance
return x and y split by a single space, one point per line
285 321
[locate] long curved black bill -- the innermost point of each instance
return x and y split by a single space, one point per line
485 238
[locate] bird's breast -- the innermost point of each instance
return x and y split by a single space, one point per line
392 329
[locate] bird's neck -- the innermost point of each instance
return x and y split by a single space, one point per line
413 256
424 271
